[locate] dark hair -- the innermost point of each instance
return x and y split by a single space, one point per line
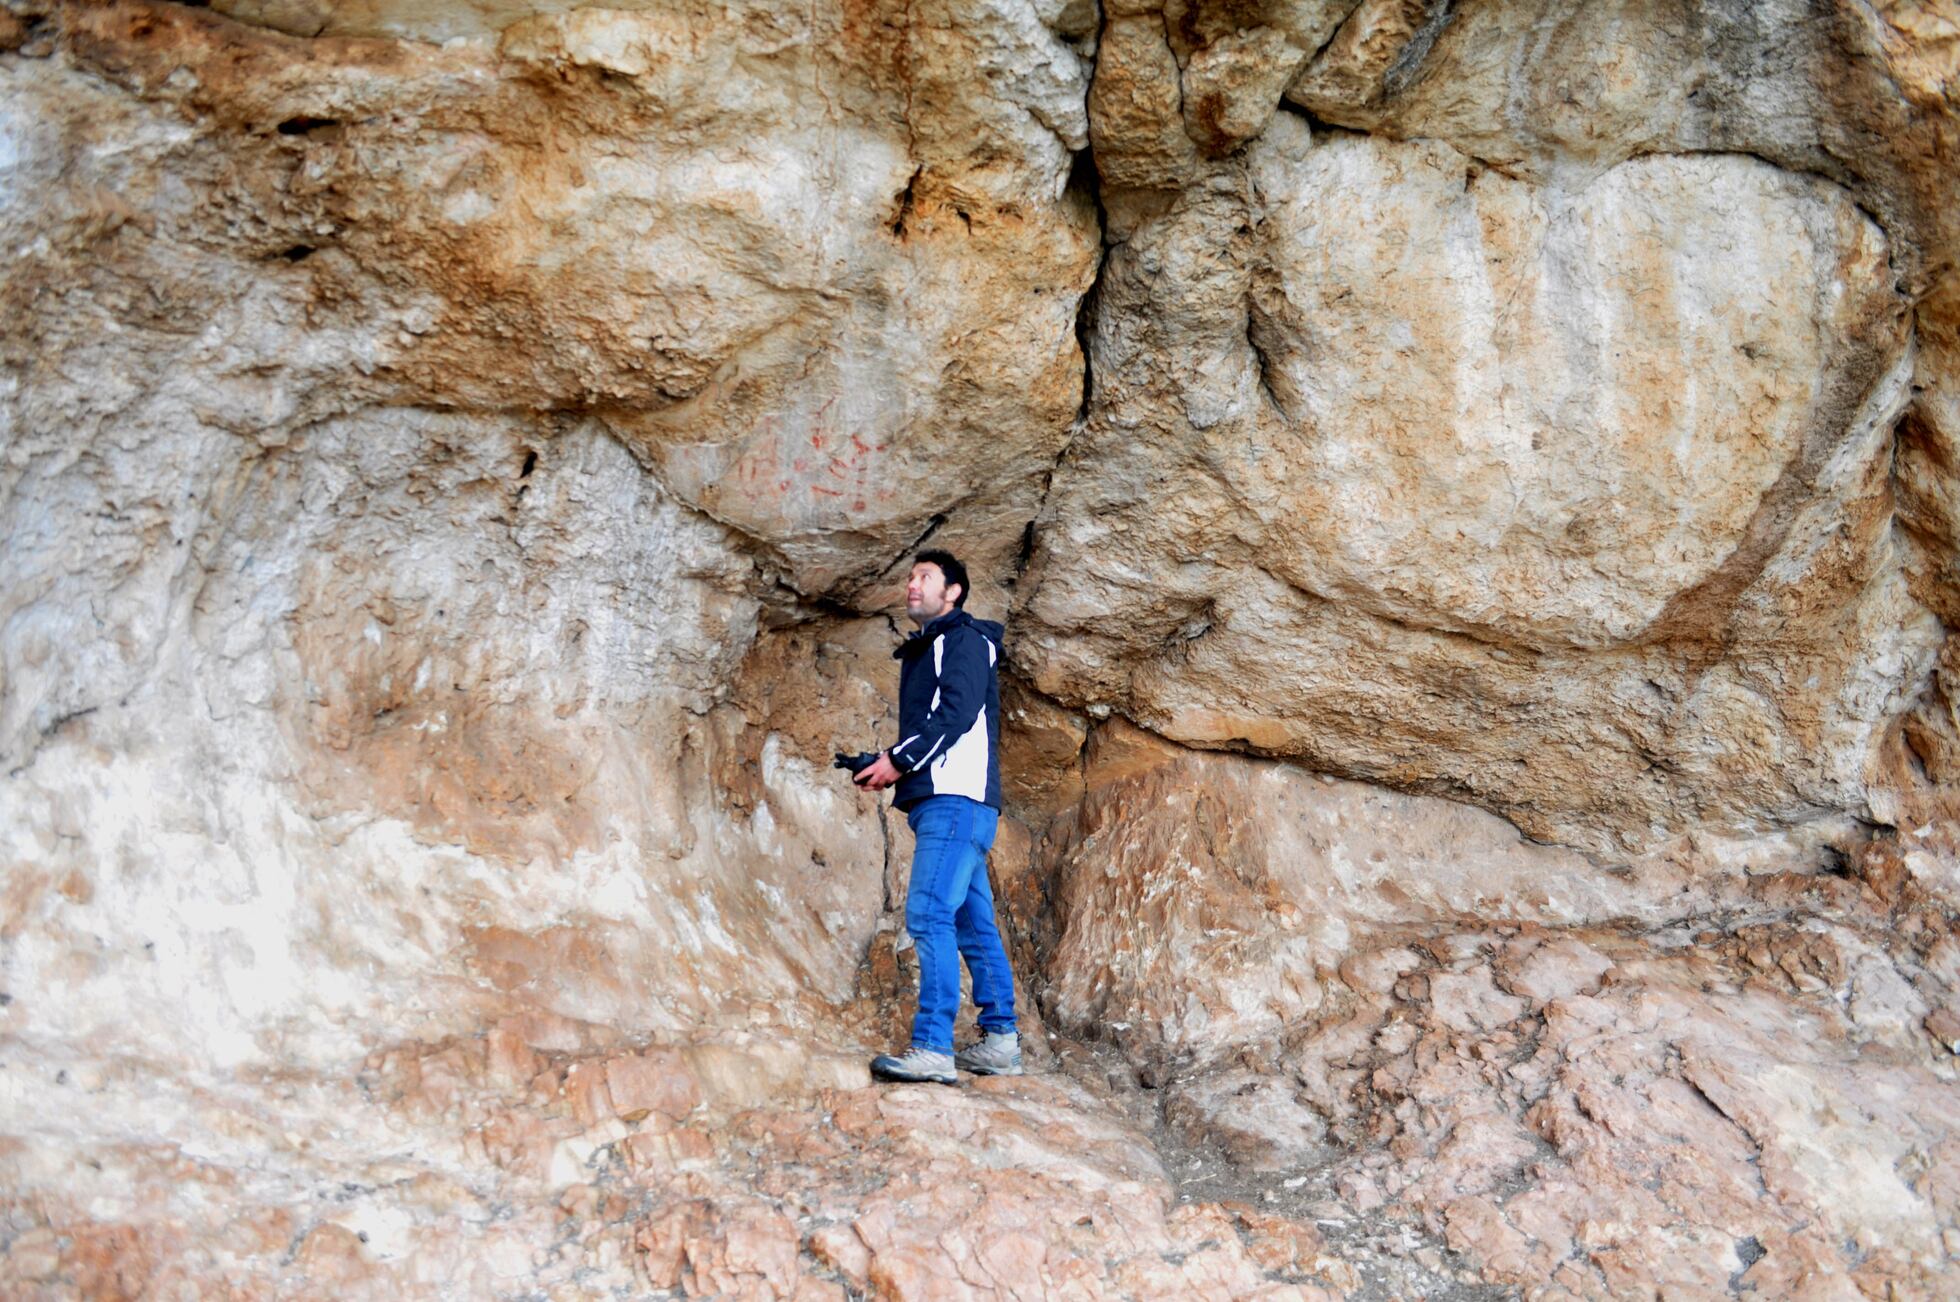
949 566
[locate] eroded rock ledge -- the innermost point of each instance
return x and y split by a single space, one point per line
1471 487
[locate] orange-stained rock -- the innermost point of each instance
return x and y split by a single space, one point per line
1473 493
1041 747
332 1255
1279 1245
838 1248
655 1081
1135 121
586 1089
658 1150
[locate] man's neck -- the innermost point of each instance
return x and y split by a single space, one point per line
924 620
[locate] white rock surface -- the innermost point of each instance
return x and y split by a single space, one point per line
1381 439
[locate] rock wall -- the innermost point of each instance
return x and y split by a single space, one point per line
452 420
1511 422
1472 490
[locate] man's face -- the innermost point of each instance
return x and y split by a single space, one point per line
926 594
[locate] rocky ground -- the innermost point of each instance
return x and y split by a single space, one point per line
1751 1097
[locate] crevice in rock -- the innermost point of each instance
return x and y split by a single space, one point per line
1170 43
814 605
1318 125
932 527
1407 68
1086 181
1915 759
1262 365
1680 1068
61 721
1026 551
904 201
303 125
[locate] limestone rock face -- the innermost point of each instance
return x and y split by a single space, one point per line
535 233
1424 424
1247 886
448 416
1380 1008
1545 460
1472 491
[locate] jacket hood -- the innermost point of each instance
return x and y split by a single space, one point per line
987 628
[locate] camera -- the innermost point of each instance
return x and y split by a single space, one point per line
857 763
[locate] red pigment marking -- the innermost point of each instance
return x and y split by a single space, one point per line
827 492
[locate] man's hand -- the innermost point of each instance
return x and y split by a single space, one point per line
879 774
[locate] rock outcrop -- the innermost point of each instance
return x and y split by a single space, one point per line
1470 454
1472 488
1383 1009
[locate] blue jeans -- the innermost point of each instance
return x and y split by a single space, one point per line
950 907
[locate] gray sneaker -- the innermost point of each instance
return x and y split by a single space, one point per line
997 1054
916 1064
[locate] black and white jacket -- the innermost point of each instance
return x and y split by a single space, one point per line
949 711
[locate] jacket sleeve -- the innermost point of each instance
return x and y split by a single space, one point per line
963 660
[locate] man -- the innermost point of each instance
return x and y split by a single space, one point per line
946 767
